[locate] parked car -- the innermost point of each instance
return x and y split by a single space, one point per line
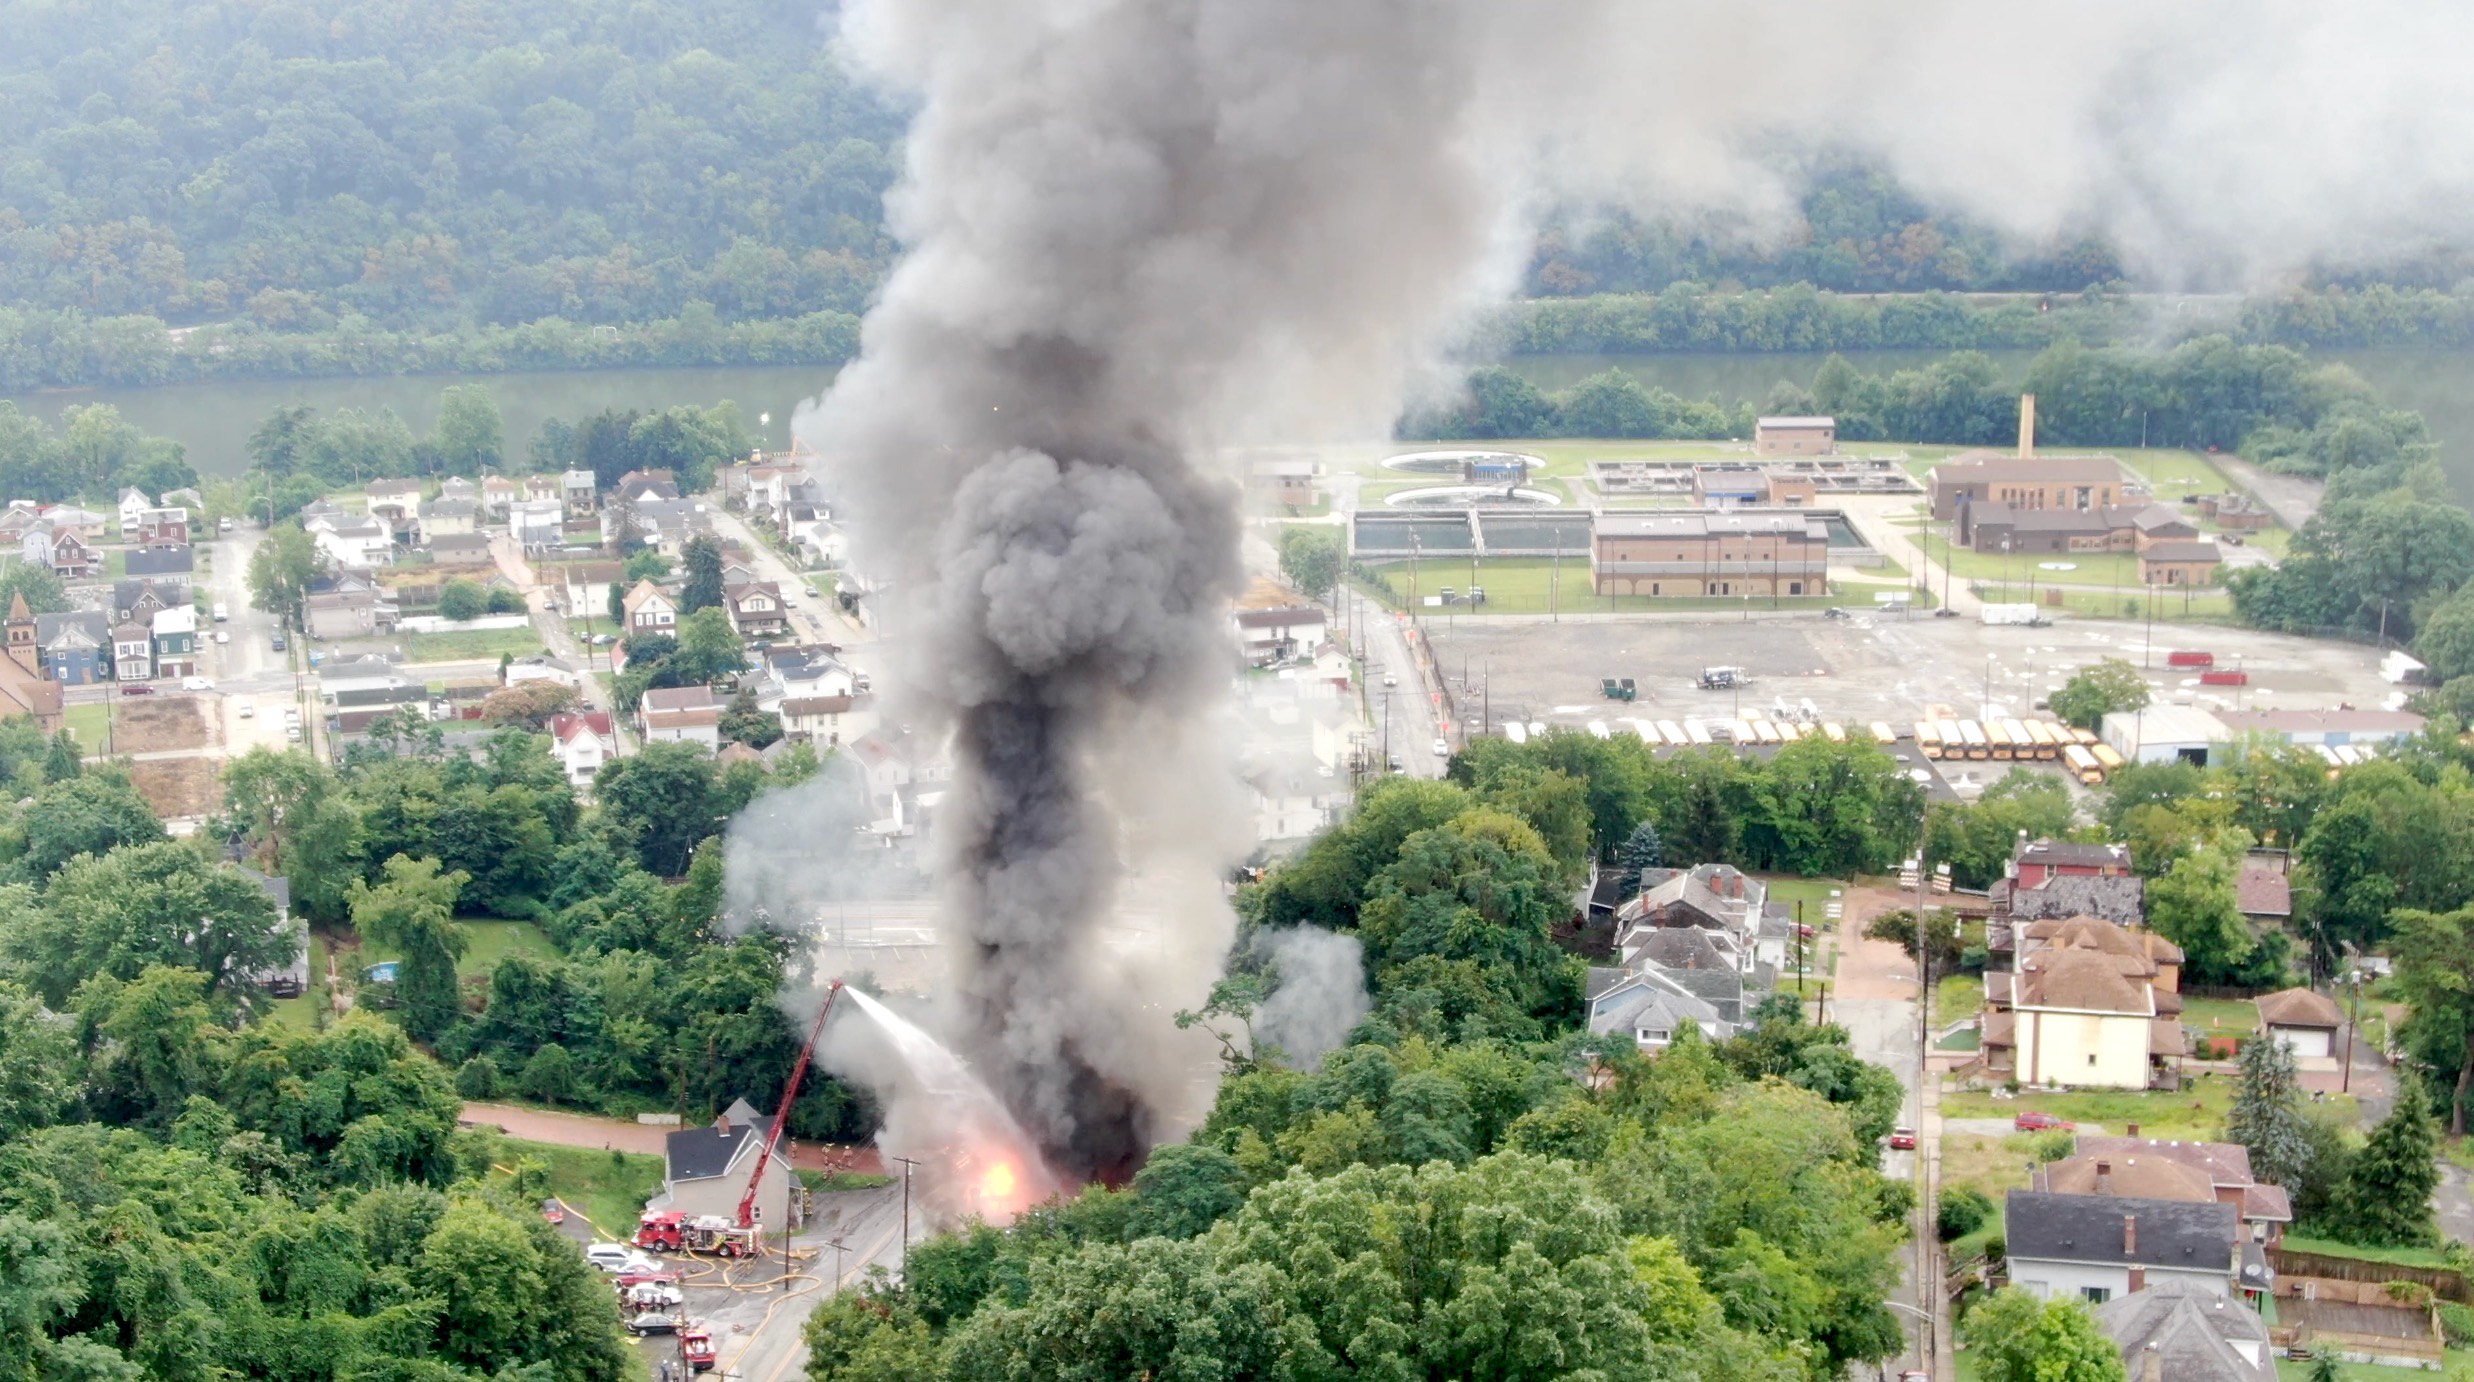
279 644
249 710
1390 680
222 611
617 1257
652 1295
1392 761
196 684
653 1322
659 1276
136 689
1902 1139
223 635
553 1211
2029 1120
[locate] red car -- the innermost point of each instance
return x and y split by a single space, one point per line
134 690
2029 1120
1902 1139
553 1211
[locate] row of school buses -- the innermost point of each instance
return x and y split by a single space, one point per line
1750 730
2087 757
2082 754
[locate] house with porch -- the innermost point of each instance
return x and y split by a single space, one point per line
582 741
2097 1248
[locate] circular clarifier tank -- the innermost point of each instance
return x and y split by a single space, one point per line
1455 462
1471 496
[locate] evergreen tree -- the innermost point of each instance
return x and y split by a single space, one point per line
703 587
1642 849
2267 1114
2386 1199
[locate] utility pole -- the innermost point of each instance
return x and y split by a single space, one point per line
2353 977
839 1246
907 1164
2147 659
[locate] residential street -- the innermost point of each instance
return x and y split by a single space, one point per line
1874 998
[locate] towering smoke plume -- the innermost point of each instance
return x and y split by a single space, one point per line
1141 229
1129 224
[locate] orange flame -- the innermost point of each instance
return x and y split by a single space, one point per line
996 1186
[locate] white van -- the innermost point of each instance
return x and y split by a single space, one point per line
223 612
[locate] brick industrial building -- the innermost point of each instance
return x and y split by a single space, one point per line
1687 554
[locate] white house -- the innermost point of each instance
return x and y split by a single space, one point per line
582 742
822 720
536 523
1268 635
706 1169
448 515
354 543
2095 1248
681 714
133 505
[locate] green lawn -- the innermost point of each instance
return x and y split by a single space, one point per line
608 1188
489 941
2105 569
2457 1359
2220 1017
2395 1257
302 1013
1956 998
2206 606
2196 1113
466 645
89 723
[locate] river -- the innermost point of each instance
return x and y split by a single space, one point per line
214 420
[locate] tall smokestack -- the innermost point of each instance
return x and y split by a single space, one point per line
2027 426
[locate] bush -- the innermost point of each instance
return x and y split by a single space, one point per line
1962 1212
2053 1144
478 1078
1996 1248
550 1076
2457 1324
460 599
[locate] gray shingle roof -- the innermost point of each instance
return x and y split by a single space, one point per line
702 1153
2122 901
2196 1334
2093 1228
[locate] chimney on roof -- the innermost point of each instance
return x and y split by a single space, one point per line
2130 1234
721 1123
2104 1177
2027 427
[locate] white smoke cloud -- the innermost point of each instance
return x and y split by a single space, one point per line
1320 993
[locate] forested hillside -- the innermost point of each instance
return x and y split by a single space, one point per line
433 165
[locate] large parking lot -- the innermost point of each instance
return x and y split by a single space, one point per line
1861 669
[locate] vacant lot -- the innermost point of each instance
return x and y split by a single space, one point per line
159 724
177 787
467 644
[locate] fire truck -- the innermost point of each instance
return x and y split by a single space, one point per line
743 1234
